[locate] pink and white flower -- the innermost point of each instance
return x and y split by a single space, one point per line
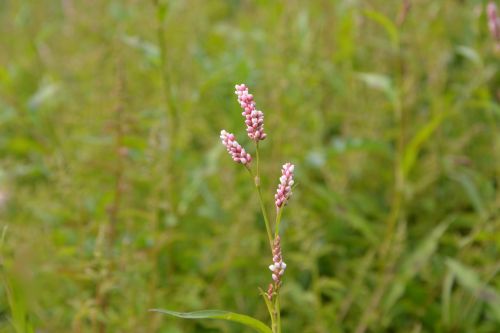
254 119
277 268
284 190
493 22
236 151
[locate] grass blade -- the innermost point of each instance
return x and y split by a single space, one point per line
219 314
414 263
471 281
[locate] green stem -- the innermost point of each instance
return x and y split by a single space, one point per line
397 204
279 212
266 220
262 206
258 159
278 314
172 114
274 310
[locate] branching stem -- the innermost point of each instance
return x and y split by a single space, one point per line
256 179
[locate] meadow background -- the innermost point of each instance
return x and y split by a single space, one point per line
116 195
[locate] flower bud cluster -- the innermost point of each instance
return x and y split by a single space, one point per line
277 268
493 22
284 190
254 119
237 152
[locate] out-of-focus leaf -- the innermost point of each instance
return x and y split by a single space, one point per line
414 263
23 146
446 298
43 94
219 314
150 51
470 280
345 37
470 54
7 112
424 134
390 28
267 301
379 82
471 191
18 307
316 158
162 10
330 284
346 144
360 224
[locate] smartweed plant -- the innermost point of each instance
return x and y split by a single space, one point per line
254 121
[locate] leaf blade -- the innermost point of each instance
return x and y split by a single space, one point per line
219 314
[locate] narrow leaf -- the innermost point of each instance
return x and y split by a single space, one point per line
470 54
446 297
390 28
423 135
379 82
412 265
472 192
471 281
218 314
268 302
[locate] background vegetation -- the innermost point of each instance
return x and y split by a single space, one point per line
117 197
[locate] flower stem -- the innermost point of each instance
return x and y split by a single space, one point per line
266 220
278 314
256 179
279 211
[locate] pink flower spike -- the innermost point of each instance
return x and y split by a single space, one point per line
254 119
278 267
236 151
284 190
493 21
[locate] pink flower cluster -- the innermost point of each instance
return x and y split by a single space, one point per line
254 119
284 190
493 21
277 268
237 152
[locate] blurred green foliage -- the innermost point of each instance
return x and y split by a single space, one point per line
109 208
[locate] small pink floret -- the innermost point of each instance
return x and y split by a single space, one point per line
278 267
493 20
284 190
254 119
236 151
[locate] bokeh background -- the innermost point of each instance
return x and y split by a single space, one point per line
117 197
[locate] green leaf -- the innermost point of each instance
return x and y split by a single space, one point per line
219 314
269 305
423 135
470 54
42 95
359 223
470 280
390 28
472 192
379 82
17 300
162 11
150 51
446 297
412 265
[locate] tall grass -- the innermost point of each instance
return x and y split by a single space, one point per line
393 118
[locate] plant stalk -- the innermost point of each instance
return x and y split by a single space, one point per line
261 200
